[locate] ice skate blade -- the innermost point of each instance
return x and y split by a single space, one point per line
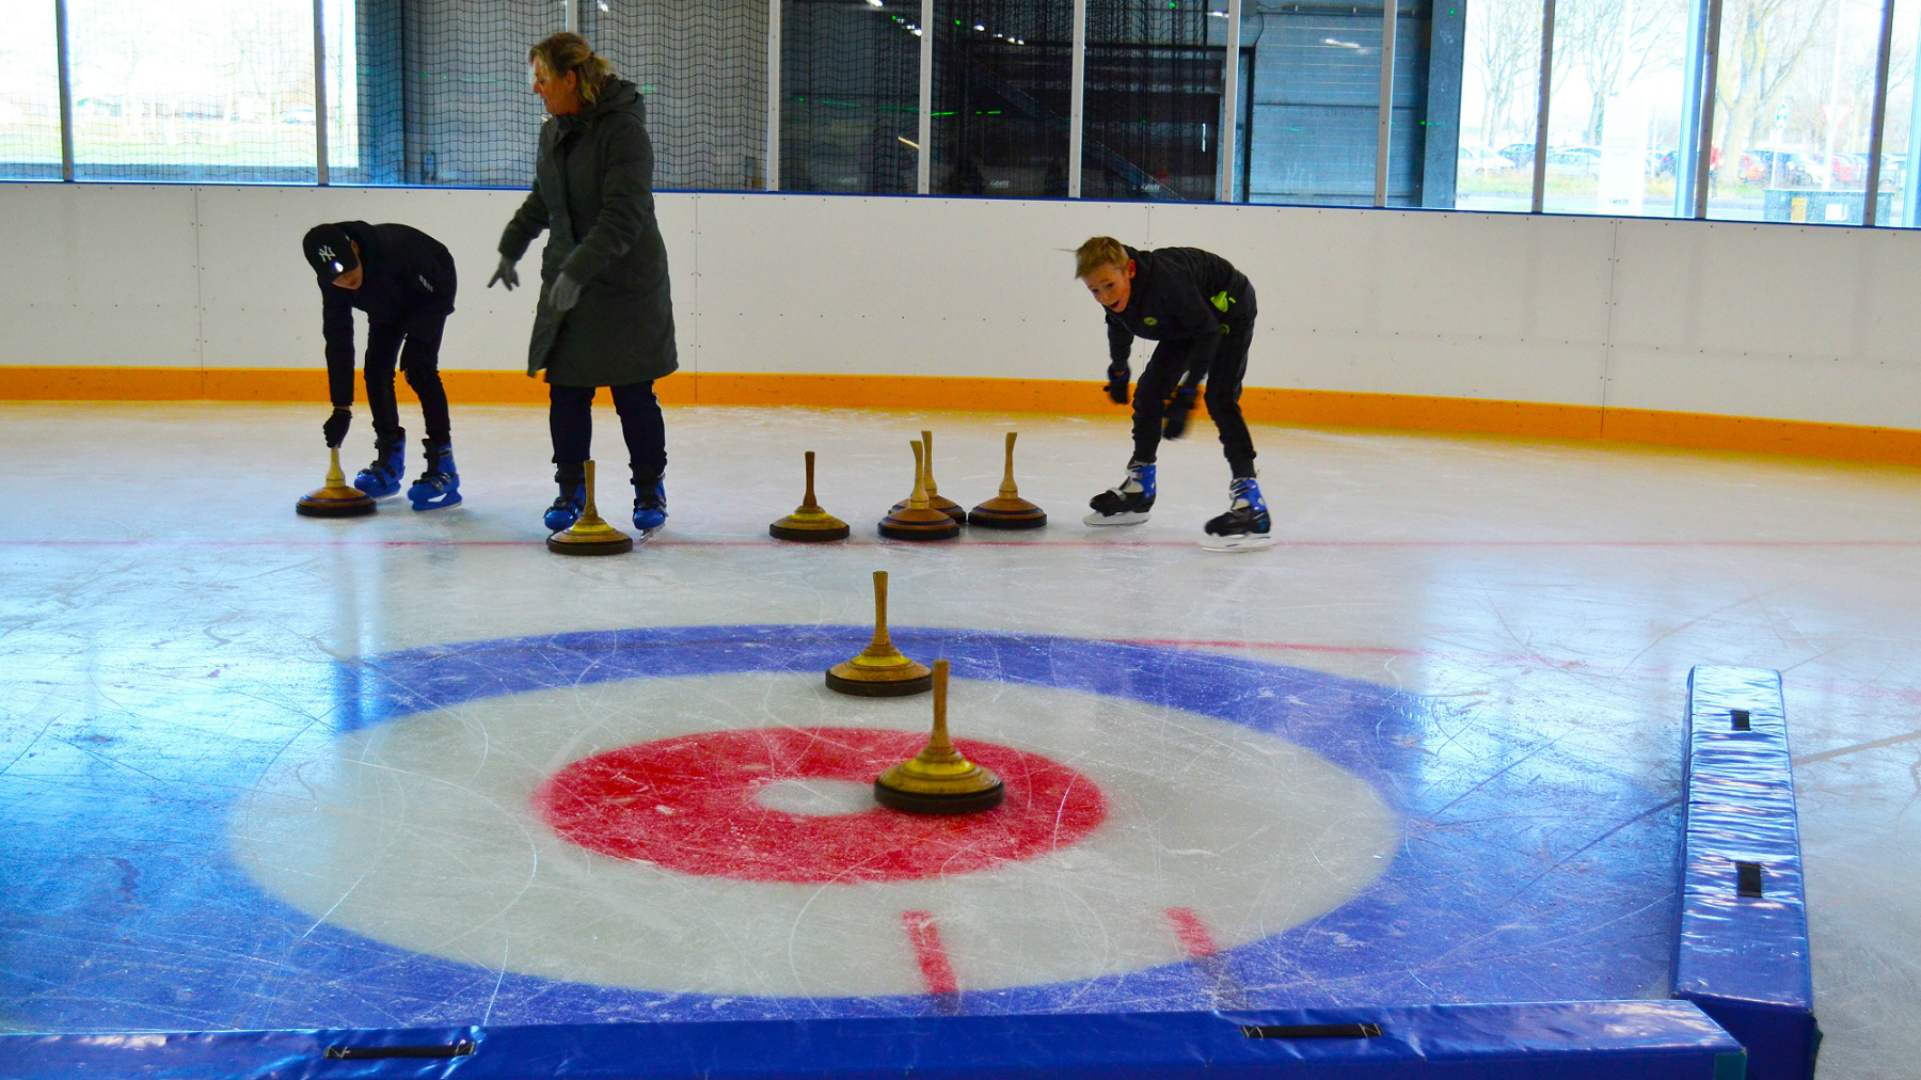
437 502
1126 517
644 535
1243 542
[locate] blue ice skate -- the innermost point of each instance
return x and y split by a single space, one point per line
382 478
439 486
571 501
650 506
1246 525
1126 503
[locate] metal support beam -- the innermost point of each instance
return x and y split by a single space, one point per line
1077 101
1872 191
1704 147
1541 105
570 21
1230 143
66 89
925 171
1686 158
1384 130
773 95
320 91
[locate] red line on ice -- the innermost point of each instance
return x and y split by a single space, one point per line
1192 932
935 969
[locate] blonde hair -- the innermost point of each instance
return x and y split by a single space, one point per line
1099 251
563 53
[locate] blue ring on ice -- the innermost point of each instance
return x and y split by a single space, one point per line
1436 927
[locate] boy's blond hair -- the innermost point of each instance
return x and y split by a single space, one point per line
1099 251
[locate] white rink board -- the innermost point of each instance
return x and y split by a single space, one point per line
1789 322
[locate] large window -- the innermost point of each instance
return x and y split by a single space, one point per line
435 92
1792 110
29 92
193 90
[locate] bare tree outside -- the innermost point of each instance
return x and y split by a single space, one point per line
1614 43
1763 46
1507 55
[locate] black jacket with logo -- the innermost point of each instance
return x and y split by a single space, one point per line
1181 294
406 274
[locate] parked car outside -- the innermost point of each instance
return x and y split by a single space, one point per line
1520 153
1479 160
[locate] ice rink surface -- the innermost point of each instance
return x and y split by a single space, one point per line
264 771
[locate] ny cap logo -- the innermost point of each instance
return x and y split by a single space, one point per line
326 252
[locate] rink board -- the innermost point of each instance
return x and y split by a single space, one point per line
1649 1040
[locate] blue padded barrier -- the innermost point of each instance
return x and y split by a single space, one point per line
1742 950
1594 1040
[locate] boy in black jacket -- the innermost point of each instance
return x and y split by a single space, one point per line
1201 311
404 280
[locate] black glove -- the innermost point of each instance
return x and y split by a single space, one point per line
335 429
505 274
1178 407
1117 383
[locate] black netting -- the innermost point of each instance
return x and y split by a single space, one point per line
216 91
1153 101
850 91
703 71
1002 97
439 92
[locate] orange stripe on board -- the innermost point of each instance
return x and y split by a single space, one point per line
1329 408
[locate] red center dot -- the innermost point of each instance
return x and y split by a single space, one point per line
688 804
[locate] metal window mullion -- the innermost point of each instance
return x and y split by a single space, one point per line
320 92
1872 192
1541 107
1230 103
1686 158
66 89
1710 74
925 170
1390 9
570 18
1077 101
773 94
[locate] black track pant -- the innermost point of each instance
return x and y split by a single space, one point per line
570 417
1223 396
420 360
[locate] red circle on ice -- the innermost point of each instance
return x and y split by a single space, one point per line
688 804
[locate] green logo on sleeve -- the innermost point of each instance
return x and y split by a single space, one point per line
1151 321
1221 300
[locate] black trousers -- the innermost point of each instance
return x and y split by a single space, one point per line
415 346
1223 396
570 418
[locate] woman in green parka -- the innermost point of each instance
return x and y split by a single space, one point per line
605 317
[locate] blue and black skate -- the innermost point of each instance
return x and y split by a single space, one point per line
1246 525
650 505
1126 503
572 499
382 478
439 486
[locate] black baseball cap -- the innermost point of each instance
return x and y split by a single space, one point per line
329 251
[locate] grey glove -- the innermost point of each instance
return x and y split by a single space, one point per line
563 294
505 274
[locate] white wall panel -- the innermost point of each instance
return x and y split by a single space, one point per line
1787 322
262 303
883 286
1470 305
1799 323
99 275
